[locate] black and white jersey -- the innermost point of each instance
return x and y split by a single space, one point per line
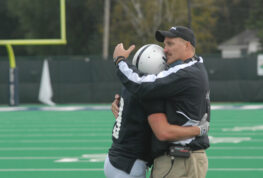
184 87
131 134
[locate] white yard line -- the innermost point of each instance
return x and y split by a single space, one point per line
106 148
56 141
59 108
235 157
55 135
236 107
101 169
235 169
59 130
51 148
236 148
22 158
55 170
103 155
238 134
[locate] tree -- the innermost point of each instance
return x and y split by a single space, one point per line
203 24
40 19
132 22
34 21
231 18
255 18
140 19
8 23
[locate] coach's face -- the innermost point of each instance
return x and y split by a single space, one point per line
174 49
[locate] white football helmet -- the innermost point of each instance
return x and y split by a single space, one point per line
150 59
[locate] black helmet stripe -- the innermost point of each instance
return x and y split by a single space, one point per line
139 56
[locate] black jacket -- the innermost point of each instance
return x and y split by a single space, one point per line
185 88
131 134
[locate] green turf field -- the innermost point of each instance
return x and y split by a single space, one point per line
67 144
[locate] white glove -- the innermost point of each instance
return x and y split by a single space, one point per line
204 125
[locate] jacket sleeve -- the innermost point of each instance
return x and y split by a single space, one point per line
152 106
164 84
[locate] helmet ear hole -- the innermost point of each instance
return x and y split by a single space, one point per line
150 59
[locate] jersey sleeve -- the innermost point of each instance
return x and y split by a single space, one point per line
165 83
153 106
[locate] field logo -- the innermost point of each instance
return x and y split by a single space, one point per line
260 65
84 158
214 140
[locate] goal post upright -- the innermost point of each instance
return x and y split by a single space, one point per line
13 78
13 71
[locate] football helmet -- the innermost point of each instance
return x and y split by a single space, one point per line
150 59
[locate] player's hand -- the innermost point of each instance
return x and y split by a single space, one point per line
204 125
120 51
115 105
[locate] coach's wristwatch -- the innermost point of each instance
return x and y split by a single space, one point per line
118 59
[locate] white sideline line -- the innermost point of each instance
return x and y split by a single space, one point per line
108 107
34 170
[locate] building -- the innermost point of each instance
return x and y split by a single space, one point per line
240 45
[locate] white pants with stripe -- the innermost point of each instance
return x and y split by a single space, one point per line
138 170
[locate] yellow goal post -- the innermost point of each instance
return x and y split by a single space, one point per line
13 91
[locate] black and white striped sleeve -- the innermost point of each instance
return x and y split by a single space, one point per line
164 84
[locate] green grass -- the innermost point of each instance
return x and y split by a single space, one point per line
226 158
31 142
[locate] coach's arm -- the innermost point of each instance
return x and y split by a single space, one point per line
168 132
165 131
163 84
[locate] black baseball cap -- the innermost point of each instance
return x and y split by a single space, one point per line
177 31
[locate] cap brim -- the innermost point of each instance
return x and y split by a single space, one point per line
160 35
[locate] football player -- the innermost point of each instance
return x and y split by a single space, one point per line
130 152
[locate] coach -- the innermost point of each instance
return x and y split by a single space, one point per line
183 94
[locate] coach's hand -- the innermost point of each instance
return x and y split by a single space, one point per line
203 125
120 53
115 106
